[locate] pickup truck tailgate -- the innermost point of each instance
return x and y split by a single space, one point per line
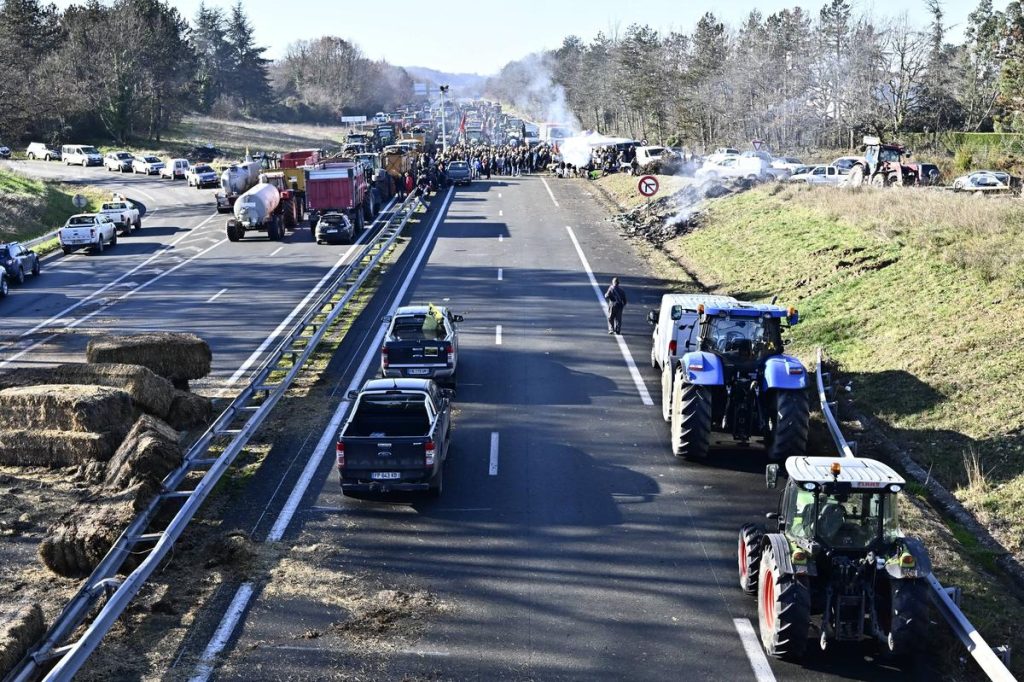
78 235
384 454
417 353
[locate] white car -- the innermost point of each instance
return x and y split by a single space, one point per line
983 181
790 163
38 150
90 231
174 169
750 167
818 175
721 154
148 164
118 161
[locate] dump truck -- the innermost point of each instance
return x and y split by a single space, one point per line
260 209
396 160
340 186
236 179
293 164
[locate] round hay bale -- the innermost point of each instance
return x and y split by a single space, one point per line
188 410
20 628
68 407
176 356
149 452
44 448
150 392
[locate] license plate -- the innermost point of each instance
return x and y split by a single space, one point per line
419 372
385 475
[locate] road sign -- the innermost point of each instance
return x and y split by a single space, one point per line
648 185
643 143
353 119
757 144
79 201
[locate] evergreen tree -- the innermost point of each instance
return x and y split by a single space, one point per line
249 75
213 55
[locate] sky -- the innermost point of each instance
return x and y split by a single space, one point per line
481 37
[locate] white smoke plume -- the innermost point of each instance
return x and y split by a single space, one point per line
528 85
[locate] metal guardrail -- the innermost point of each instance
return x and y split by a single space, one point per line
264 389
989 662
32 243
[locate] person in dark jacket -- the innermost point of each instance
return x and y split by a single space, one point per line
616 298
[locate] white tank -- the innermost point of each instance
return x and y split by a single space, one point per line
257 204
237 178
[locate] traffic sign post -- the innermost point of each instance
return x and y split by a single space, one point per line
648 185
79 201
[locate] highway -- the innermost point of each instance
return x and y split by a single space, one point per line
568 545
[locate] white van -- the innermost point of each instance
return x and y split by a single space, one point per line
81 155
174 169
645 155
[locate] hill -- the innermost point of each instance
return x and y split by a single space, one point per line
462 84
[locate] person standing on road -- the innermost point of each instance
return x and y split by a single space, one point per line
616 298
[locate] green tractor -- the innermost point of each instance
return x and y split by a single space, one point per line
837 561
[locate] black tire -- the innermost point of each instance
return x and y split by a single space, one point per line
437 485
30 156
35 268
233 234
783 609
654 360
667 383
99 245
748 556
113 239
66 251
359 222
691 418
138 224
4 289
19 278
288 209
790 416
907 618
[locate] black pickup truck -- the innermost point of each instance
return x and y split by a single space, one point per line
396 438
422 341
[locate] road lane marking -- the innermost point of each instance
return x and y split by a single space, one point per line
550 193
497 335
493 468
752 647
501 237
499 195
500 213
215 296
276 251
641 387
224 631
501 274
96 293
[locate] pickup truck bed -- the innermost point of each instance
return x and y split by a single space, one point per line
416 346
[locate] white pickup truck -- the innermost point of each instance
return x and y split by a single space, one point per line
90 231
124 214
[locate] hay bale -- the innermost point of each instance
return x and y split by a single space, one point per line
79 540
44 448
150 392
20 628
173 355
149 452
188 410
67 407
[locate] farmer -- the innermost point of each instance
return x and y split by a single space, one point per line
616 298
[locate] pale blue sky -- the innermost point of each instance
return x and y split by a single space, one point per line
481 37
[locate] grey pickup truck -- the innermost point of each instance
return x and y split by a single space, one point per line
396 438
422 342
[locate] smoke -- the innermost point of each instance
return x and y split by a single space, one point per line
529 86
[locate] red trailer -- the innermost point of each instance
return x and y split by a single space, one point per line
339 186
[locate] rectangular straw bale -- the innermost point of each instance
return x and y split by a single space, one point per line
20 628
149 452
150 392
67 407
173 355
188 410
42 448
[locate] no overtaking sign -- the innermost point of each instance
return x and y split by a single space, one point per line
648 185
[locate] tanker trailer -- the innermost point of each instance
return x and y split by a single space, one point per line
235 181
260 209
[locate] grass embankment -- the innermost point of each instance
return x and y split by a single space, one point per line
235 137
29 208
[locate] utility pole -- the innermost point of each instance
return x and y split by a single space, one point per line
444 119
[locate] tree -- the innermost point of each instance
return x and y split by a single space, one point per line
977 84
29 34
249 78
213 55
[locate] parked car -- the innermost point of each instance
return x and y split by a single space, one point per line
790 163
118 161
202 175
80 155
422 341
174 169
983 181
459 173
846 163
16 260
150 165
91 231
5 152
818 175
38 150
722 153
333 228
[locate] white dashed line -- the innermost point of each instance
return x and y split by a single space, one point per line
641 387
550 193
501 213
501 274
501 238
497 335
276 251
493 468
752 647
215 296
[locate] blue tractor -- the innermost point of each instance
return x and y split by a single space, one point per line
724 371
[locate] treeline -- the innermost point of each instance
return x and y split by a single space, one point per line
793 78
130 69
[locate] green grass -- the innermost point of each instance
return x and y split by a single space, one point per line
29 207
235 137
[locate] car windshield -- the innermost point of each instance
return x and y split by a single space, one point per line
123 155
744 337
853 520
333 219
202 169
458 165
151 159
89 150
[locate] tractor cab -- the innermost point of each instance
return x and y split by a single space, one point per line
744 334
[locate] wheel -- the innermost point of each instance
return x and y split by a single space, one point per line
113 239
233 234
667 381
99 244
138 224
879 181
906 619
748 556
20 277
289 214
856 176
783 609
4 290
359 222
654 360
35 268
790 414
437 485
30 156
66 250
691 418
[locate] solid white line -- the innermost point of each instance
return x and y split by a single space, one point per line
276 251
501 274
752 647
497 335
493 468
223 633
641 387
550 193
215 296
96 293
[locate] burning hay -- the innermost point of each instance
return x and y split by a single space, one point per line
178 357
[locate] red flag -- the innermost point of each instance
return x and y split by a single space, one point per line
462 126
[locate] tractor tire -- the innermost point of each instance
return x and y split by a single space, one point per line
783 609
748 556
790 415
691 418
667 383
288 209
856 177
879 181
233 233
359 224
368 208
908 617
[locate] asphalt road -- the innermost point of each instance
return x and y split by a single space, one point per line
179 273
569 543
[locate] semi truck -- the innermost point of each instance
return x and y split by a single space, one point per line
260 209
340 186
